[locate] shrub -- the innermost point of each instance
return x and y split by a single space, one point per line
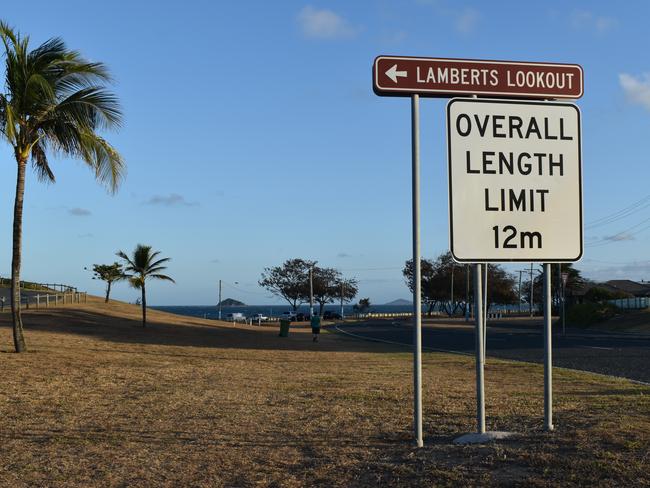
597 294
590 313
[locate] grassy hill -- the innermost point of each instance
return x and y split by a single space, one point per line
100 401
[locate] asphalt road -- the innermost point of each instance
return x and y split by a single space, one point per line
622 355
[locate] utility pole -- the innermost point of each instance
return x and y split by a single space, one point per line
342 285
311 291
565 277
558 289
467 293
451 300
531 289
520 271
485 296
219 299
563 309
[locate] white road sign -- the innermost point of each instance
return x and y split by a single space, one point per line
515 181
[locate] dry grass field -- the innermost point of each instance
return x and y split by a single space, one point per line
99 401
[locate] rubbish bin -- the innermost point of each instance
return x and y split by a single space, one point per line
284 327
315 322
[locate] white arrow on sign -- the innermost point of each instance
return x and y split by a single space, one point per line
393 74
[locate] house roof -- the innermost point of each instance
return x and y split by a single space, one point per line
628 286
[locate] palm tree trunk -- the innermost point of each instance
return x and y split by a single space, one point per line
19 339
108 291
144 307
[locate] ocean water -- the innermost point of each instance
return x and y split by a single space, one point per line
211 311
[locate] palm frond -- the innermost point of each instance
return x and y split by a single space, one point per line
103 158
38 87
81 75
161 277
159 262
155 269
126 258
90 107
40 162
136 282
7 34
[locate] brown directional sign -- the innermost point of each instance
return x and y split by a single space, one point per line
438 77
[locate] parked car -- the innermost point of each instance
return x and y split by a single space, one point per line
236 317
288 316
258 317
332 316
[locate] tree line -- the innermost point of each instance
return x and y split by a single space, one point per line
291 282
448 285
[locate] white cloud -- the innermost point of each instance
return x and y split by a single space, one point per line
395 37
324 24
622 236
637 89
79 212
632 271
467 20
585 20
169 200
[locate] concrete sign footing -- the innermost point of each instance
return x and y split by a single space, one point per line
476 438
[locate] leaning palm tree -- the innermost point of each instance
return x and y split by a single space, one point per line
54 101
142 266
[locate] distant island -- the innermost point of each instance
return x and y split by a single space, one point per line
231 302
399 301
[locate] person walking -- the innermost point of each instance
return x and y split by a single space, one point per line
315 327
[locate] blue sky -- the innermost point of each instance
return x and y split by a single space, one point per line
252 135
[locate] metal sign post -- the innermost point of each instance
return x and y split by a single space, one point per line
417 307
480 350
548 348
485 310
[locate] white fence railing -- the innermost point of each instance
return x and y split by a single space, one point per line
635 303
47 300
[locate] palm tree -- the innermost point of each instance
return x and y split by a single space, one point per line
53 101
142 266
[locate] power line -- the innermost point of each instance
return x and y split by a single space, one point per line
370 269
230 285
621 236
620 214
588 260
